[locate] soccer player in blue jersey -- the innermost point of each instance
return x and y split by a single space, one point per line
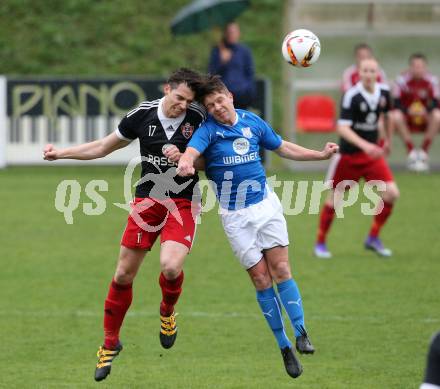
251 212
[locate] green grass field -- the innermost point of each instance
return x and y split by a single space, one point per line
370 319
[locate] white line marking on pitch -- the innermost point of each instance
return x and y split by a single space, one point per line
225 315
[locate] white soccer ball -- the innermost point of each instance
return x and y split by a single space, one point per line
301 48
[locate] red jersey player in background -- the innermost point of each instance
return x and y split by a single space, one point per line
350 77
360 156
416 94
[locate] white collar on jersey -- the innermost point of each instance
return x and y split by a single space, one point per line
170 125
372 99
235 122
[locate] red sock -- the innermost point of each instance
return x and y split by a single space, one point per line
325 221
409 146
116 305
380 219
171 290
426 145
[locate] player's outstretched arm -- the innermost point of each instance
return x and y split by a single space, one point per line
92 150
295 152
386 129
173 154
186 162
369 148
199 163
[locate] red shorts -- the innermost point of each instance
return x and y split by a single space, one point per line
416 124
355 166
172 219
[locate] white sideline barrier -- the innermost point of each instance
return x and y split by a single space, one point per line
67 111
35 132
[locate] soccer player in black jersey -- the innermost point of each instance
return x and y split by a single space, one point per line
361 156
432 372
163 204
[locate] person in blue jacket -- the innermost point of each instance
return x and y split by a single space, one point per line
234 63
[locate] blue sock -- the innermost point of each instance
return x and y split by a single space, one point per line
271 308
291 299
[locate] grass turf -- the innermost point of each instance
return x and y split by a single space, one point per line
370 319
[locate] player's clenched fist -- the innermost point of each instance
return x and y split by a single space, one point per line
185 167
50 153
373 150
330 149
172 153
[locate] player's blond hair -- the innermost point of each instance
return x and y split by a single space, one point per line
211 84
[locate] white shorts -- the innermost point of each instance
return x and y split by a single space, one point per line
255 228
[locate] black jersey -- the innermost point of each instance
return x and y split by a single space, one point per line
360 110
432 372
155 131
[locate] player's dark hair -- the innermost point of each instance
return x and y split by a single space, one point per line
362 46
417 55
211 84
185 76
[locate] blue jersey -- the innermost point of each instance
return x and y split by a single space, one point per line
232 155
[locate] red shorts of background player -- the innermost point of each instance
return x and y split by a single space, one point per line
416 123
358 165
172 219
